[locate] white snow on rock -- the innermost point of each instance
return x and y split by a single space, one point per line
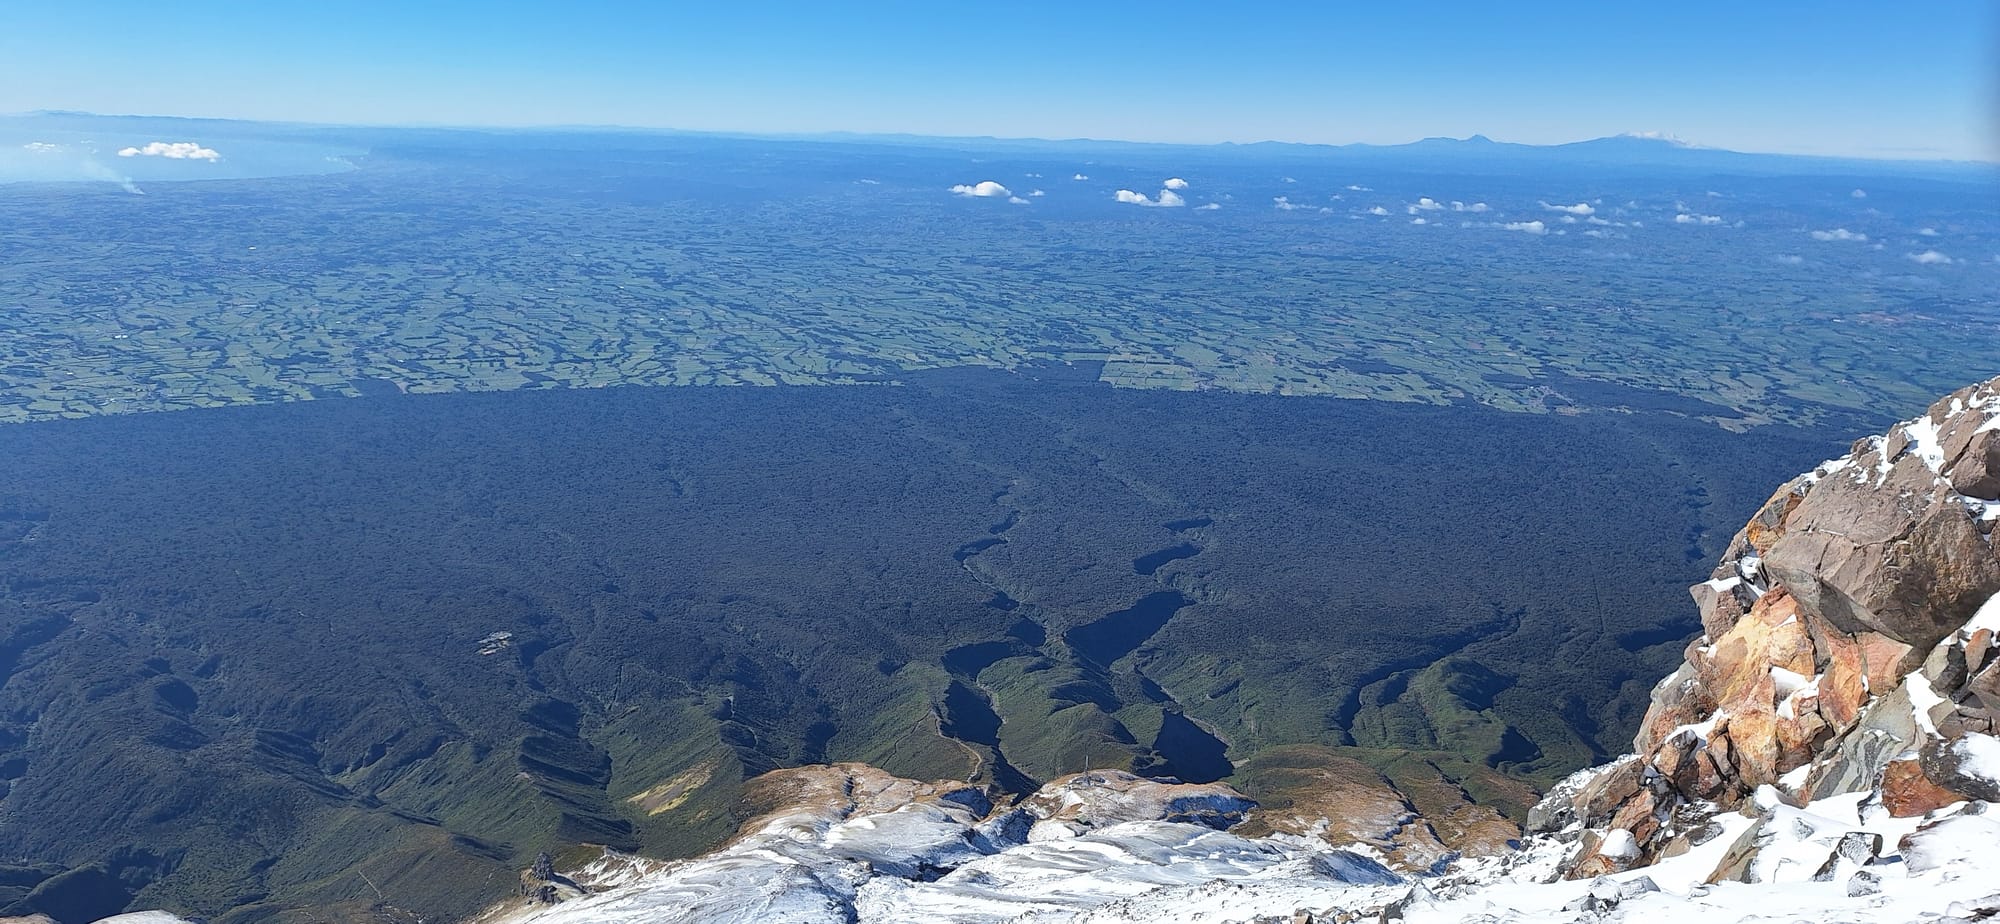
936 861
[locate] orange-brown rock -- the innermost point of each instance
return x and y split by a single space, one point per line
1767 525
1907 792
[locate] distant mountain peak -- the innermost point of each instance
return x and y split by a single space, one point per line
1661 137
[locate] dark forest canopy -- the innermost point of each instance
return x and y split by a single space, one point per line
249 654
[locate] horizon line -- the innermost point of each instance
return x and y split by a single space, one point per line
1665 138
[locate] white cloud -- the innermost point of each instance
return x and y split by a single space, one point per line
1175 183
1859 194
1581 208
41 147
1288 179
1079 177
1426 204
1378 210
1356 187
1419 221
1688 218
1789 259
1168 199
869 182
1930 258
1033 175
1016 200
1529 227
984 189
1458 206
173 150
1928 232
1285 204
1839 234
1212 206
1036 194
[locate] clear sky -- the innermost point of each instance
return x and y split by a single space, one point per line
1877 78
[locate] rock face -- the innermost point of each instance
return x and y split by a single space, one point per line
1848 647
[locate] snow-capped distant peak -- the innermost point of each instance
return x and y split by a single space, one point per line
1662 137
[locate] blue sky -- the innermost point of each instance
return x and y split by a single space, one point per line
1876 79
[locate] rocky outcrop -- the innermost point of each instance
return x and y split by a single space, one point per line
1848 647
849 842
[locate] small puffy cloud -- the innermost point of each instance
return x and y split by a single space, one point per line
41 147
1171 200
867 182
1378 210
173 150
1420 221
1928 232
1688 218
1458 206
1789 259
1212 206
1526 227
1930 258
1356 187
1839 234
1425 204
1016 200
1128 196
1581 208
1175 183
1036 194
1285 204
1288 179
1079 177
1859 194
984 189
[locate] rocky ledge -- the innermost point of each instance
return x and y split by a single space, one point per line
1848 648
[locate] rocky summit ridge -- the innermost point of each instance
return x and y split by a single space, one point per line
1848 647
